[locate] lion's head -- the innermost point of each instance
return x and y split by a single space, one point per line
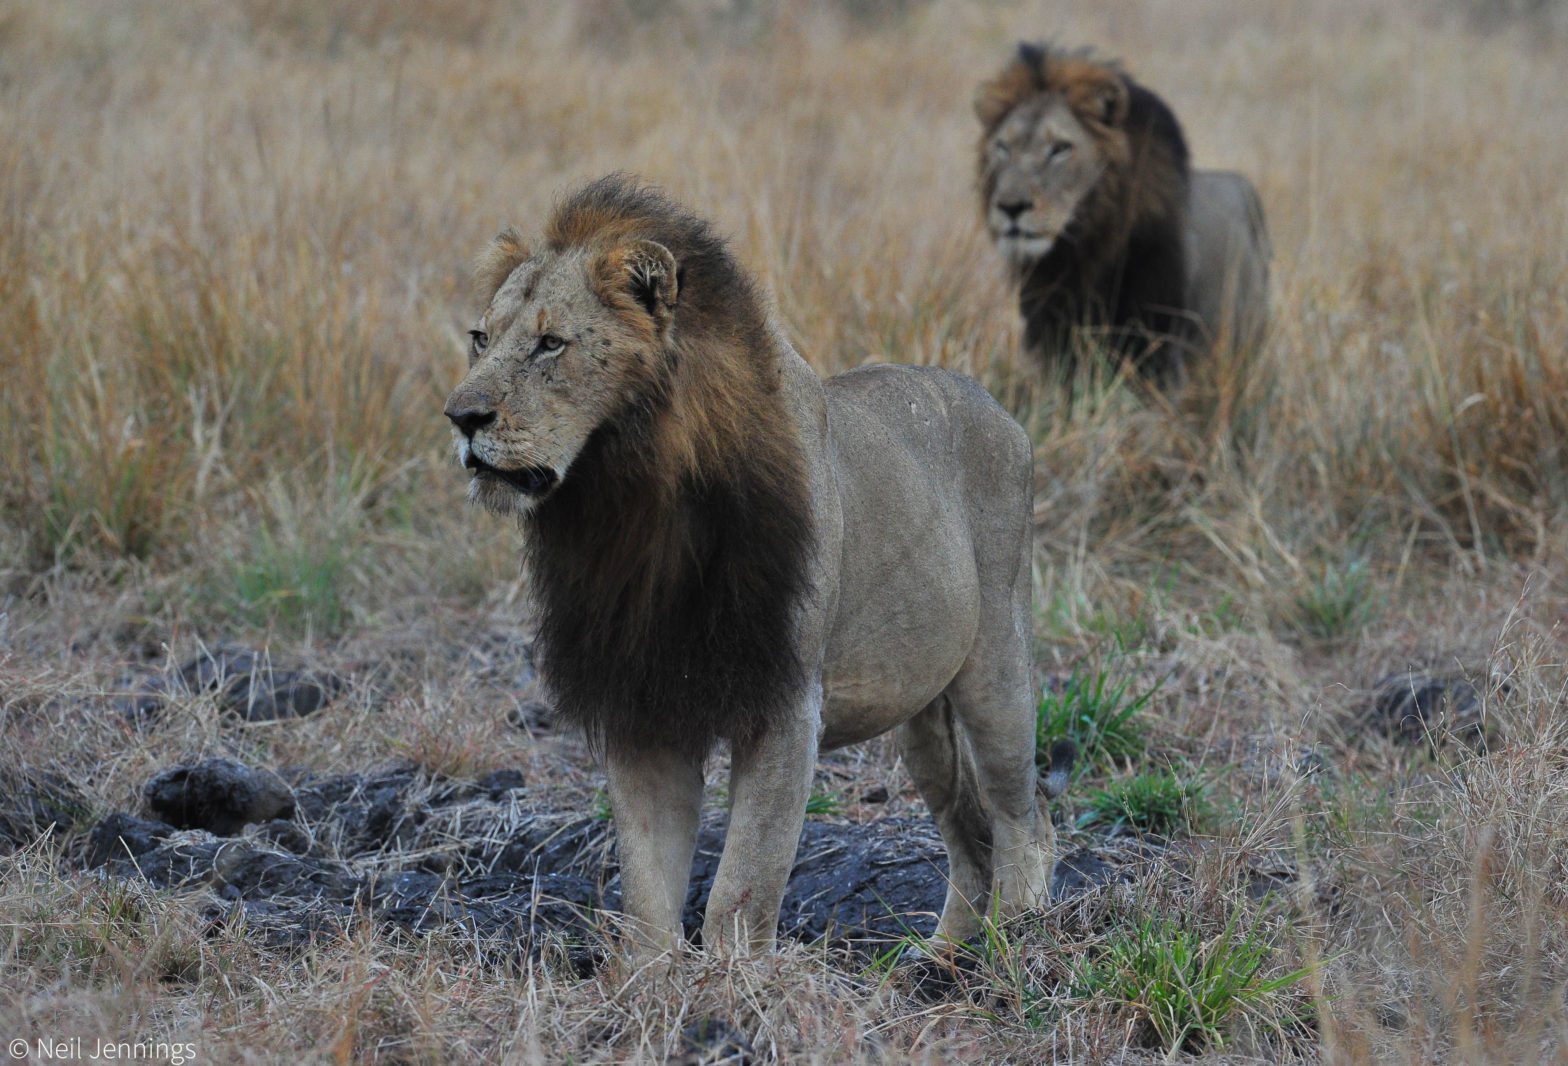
629 340
573 335
1073 150
1084 182
1052 133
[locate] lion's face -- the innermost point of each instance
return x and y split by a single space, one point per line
569 341
1038 164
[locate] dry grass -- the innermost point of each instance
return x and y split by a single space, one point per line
233 246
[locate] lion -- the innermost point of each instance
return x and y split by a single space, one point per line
723 547
1087 193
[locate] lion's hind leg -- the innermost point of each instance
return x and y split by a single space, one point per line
994 710
938 757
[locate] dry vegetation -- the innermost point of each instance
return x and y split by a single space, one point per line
233 246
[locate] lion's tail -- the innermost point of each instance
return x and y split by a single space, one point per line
1063 754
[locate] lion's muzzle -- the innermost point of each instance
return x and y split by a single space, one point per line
529 480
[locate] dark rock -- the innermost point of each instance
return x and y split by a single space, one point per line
290 695
499 782
581 847
875 794
34 802
711 1041
162 855
252 689
246 683
883 880
219 795
1415 707
144 699
286 834
1082 871
383 816
124 838
586 961
242 871
532 716
1263 883
360 812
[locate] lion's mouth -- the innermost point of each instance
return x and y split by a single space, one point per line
529 480
1023 247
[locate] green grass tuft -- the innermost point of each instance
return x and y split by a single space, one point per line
1154 802
1338 604
1188 988
823 801
1102 714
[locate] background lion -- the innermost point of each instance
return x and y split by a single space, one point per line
1087 194
724 547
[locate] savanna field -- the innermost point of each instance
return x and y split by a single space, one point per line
1304 619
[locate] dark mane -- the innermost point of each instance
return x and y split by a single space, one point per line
669 567
1120 265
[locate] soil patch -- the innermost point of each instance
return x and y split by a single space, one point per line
245 683
425 853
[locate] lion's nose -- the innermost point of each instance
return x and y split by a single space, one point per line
470 418
1013 208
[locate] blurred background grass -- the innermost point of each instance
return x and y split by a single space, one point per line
235 237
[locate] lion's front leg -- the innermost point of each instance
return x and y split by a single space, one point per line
656 800
769 785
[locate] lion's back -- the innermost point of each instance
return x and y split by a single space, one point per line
1228 257
945 422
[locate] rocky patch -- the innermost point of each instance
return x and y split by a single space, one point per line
1416 707
428 853
245 683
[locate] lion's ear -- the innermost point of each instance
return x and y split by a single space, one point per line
1018 79
992 103
1111 102
495 264
645 272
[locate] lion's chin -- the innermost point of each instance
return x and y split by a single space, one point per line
1021 250
509 491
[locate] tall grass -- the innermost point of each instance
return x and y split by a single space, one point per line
221 285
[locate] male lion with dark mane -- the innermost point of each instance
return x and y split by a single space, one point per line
1087 193
723 547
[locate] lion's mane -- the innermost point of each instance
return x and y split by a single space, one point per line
669 566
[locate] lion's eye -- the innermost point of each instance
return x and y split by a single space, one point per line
480 338
1061 150
550 344
999 149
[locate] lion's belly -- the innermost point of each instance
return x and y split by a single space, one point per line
908 605
899 651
